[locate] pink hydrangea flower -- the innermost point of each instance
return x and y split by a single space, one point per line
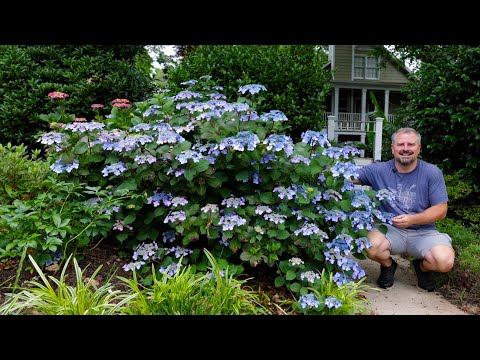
122 101
121 105
57 95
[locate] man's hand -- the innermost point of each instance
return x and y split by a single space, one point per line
402 221
432 214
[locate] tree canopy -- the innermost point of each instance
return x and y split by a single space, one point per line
296 82
442 102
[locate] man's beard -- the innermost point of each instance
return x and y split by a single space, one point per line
405 162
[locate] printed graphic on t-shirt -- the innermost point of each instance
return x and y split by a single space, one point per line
406 196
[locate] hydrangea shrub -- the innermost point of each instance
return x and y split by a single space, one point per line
201 171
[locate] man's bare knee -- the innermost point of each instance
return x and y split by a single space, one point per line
380 246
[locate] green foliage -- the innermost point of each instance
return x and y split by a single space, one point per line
458 187
325 297
466 242
463 195
294 76
200 172
462 224
186 292
443 103
295 275
469 213
469 257
20 173
88 73
65 216
84 298
317 292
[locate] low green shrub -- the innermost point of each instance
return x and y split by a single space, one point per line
465 241
463 194
20 173
208 173
64 217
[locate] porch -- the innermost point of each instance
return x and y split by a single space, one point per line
351 124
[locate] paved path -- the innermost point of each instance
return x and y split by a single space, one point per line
404 297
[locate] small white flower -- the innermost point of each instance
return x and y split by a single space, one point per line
296 261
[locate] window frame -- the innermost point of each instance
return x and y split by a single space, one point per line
364 67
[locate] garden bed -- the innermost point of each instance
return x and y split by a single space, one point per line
461 288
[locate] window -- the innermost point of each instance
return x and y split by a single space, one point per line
365 67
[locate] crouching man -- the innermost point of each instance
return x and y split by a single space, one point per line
421 199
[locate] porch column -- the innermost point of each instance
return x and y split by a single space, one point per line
385 107
331 127
363 113
335 108
377 147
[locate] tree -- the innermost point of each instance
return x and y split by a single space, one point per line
293 75
88 74
443 101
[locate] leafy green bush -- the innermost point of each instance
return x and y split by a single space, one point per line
293 75
469 257
319 292
64 217
326 297
20 173
466 243
89 73
463 201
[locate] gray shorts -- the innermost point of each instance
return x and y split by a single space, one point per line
415 243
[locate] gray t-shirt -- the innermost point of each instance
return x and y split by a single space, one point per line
414 192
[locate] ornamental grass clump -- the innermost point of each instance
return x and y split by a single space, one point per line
205 172
178 290
85 297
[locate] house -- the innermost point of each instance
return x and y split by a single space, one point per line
356 72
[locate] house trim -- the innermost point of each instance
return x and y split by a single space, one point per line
365 56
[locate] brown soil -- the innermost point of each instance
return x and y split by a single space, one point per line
460 288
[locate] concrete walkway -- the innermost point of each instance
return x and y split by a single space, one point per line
404 297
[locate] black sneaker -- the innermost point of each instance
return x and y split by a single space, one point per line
385 280
425 279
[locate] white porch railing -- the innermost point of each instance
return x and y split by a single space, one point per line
353 120
334 128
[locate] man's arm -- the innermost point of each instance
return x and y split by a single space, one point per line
432 214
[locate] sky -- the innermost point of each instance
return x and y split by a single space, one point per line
168 50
